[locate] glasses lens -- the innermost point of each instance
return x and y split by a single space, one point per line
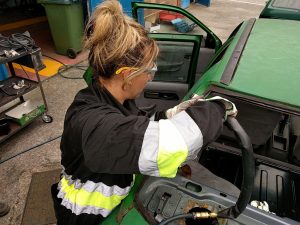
152 71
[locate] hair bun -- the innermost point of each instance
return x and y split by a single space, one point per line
114 38
111 6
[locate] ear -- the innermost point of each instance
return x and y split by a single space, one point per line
125 73
126 86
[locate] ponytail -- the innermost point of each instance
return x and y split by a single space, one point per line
116 40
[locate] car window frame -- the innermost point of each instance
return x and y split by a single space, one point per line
210 35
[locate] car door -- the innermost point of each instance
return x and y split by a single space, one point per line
176 64
185 52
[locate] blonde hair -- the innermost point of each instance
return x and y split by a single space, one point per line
116 40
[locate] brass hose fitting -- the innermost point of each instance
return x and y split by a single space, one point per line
204 215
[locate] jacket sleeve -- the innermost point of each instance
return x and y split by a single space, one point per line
111 142
170 142
209 118
114 143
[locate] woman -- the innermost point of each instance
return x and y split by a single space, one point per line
107 139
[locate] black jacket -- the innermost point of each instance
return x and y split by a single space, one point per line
102 139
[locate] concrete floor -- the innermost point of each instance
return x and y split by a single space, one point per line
222 17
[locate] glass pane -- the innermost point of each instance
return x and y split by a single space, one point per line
162 21
173 61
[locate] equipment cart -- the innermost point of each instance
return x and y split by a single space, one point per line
15 88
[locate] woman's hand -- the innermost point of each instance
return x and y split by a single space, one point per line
230 109
183 106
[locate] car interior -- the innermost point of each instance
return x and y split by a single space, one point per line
275 140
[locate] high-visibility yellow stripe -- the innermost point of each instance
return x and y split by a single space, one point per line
173 150
82 197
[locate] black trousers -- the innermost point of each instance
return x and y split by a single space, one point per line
65 216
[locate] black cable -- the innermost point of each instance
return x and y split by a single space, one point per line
29 149
50 57
177 217
17 40
21 40
25 71
4 42
65 67
70 66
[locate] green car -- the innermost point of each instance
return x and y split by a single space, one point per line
282 9
258 69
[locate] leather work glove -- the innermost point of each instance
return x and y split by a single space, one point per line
230 109
183 106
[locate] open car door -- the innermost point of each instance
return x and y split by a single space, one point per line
186 48
177 64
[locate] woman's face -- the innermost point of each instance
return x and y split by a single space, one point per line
137 85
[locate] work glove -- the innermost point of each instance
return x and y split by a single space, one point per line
183 106
230 109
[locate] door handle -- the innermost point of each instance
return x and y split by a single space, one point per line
161 95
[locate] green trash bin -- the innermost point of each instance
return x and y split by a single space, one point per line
65 19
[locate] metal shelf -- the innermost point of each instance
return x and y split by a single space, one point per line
32 59
14 128
5 98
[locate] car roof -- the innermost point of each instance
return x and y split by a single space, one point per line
269 66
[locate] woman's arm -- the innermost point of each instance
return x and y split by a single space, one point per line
113 143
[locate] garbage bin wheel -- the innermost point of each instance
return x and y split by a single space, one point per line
71 53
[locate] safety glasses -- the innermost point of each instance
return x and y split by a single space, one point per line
151 72
125 68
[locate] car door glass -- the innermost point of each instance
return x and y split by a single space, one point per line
173 65
164 21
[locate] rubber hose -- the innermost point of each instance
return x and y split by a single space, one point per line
177 217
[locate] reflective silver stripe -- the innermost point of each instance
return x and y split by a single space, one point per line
91 186
190 132
172 149
148 156
187 128
77 209
90 197
152 117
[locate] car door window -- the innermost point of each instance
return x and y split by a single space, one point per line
161 18
173 65
166 21
177 64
